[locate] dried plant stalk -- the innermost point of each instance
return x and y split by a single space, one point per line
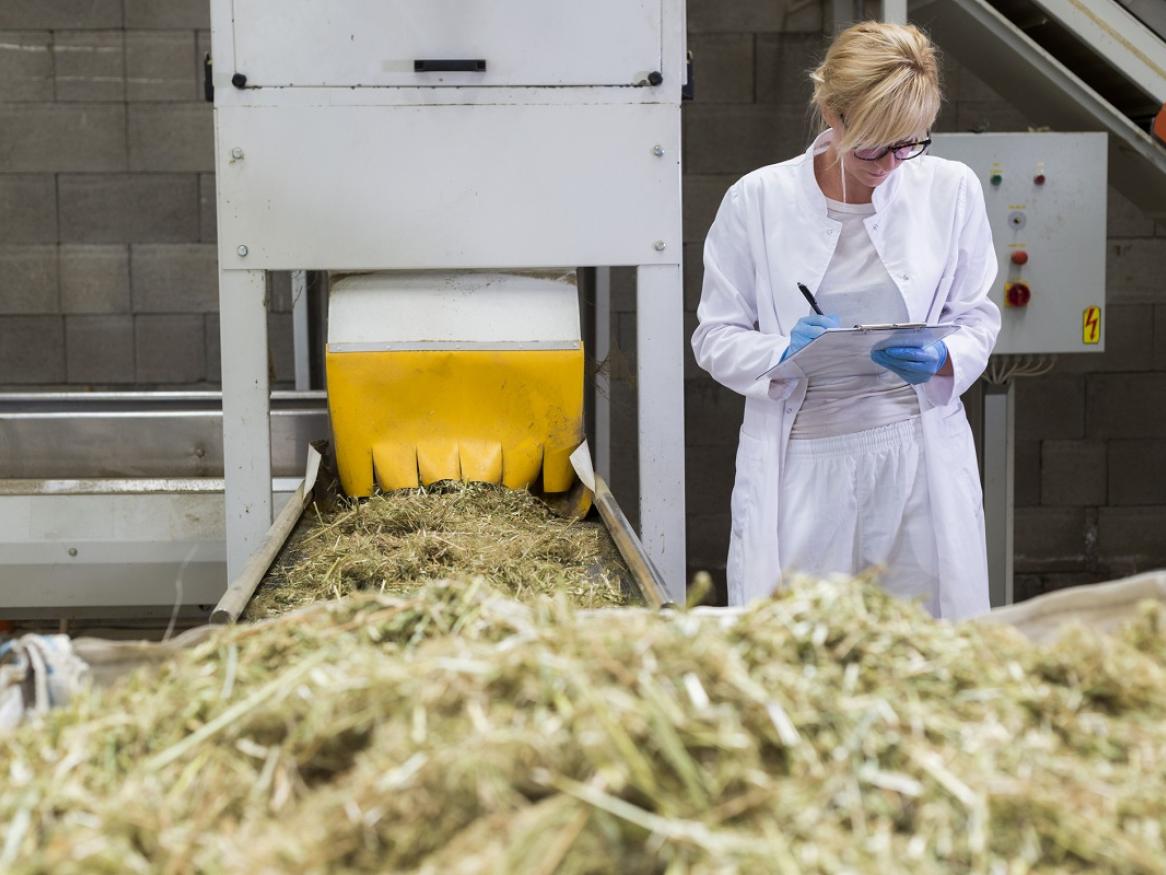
395 542
454 730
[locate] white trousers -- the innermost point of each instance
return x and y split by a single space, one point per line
860 500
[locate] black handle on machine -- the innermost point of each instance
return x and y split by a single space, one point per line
461 65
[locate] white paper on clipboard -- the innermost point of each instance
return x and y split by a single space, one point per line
854 345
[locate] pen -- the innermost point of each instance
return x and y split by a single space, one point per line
810 298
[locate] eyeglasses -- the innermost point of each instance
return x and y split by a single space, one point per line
901 151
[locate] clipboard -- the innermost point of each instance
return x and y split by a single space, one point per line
855 344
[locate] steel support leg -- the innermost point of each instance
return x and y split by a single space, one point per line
246 412
301 349
660 393
602 385
999 477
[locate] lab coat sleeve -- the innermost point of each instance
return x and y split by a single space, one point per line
967 303
727 342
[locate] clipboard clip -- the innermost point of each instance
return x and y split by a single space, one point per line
884 326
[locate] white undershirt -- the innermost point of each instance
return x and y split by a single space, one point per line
857 289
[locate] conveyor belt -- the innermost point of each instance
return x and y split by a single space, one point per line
643 580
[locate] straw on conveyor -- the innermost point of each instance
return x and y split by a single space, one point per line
398 541
831 729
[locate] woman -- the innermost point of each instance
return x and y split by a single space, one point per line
837 472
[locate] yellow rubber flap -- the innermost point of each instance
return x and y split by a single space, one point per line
404 417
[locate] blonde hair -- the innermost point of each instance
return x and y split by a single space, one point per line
882 80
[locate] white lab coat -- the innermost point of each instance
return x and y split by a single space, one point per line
772 231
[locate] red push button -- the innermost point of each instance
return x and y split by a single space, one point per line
1039 179
1018 295
1020 257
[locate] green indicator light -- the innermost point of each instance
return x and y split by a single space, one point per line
996 179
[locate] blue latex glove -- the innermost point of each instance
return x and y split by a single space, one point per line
915 364
806 329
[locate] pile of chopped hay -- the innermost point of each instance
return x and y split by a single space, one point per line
830 729
398 541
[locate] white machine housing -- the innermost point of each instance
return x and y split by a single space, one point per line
398 310
345 142
1058 224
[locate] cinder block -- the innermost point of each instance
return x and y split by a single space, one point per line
1137 472
129 208
26 65
90 65
745 16
948 119
174 278
784 63
1132 537
708 538
968 87
702 199
693 275
712 414
160 66
29 279
1073 473
735 139
708 477
1027 586
1160 337
692 371
95 279
722 67
1126 405
214 372
281 362
1133 270
1050 407
1049 539
171 136
1129 342
60 14
62 138
207 217
28 208
170 350
994 116
1124 219
1027 474
155 15
32 350
99 349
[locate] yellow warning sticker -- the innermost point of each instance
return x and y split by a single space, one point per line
1091 325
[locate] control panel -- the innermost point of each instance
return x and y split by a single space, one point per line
1046 199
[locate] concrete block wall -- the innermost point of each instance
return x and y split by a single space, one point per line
108 272
1091 436
107 260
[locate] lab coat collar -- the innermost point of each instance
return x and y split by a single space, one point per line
883 195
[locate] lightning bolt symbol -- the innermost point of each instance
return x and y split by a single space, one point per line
1091 324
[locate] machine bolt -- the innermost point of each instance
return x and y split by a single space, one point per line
659 245
72 551
658 151
242 250
236 153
